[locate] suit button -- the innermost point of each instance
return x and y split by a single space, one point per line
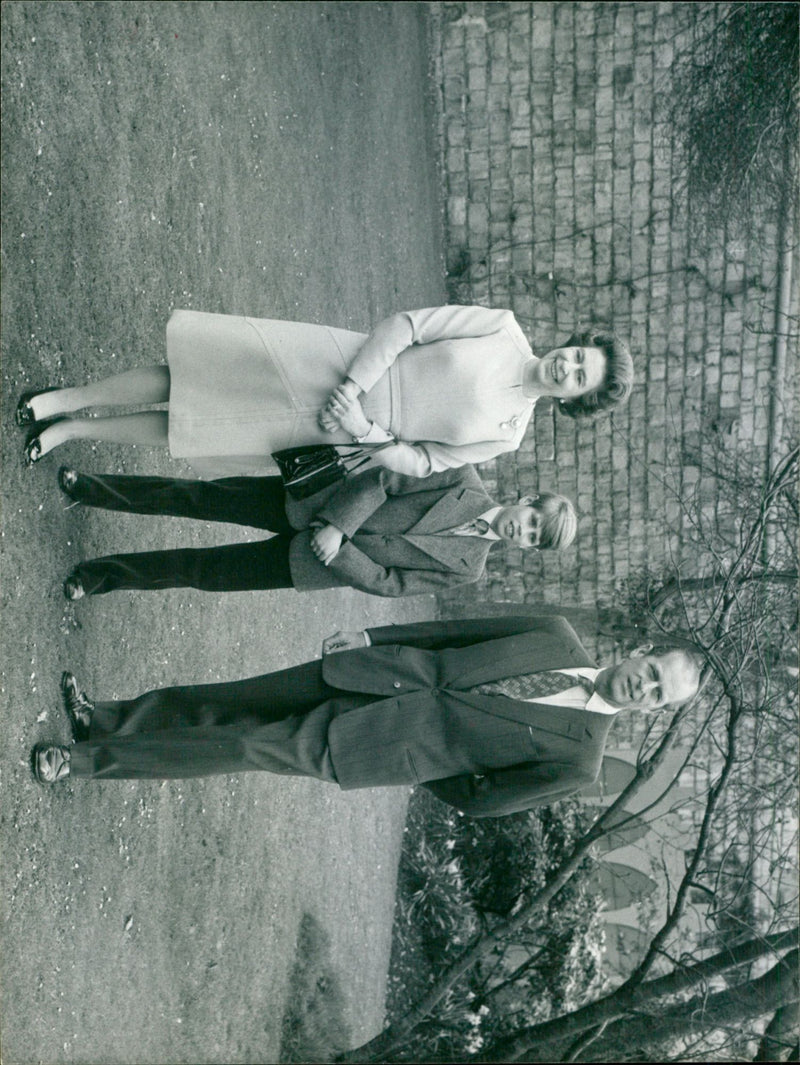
397 684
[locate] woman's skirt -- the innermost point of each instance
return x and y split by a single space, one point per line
241 388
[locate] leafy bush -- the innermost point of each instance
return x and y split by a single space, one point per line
459 876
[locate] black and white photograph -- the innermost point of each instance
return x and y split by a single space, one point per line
400 531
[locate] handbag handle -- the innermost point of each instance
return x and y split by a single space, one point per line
362 447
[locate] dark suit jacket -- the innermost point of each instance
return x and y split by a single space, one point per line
486 755
392 524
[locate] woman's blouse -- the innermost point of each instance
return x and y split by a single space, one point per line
455 382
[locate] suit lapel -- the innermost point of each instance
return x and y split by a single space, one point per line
453 508
582 726
470 551
508 657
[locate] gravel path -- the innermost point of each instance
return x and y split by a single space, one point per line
270 159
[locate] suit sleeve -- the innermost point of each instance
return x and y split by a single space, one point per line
429 456
356 569
360 496
509 791
434 635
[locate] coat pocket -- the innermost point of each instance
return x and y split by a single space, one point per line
569 728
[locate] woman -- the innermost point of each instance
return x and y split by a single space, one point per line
451 384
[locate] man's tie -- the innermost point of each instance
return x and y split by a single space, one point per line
533 685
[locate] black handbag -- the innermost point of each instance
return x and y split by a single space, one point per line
307 470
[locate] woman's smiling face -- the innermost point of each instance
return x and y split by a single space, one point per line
570 372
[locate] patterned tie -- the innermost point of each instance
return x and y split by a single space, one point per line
533 685
476 527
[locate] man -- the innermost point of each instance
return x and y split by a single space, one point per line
493 715
380 532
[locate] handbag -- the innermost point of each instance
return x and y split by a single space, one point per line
308 469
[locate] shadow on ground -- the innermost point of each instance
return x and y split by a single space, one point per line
314 1028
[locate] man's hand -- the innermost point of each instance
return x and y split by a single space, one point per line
343 641
325 543
343 410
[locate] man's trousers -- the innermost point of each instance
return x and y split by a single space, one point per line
277 722
253 501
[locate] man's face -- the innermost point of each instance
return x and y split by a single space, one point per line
518 525
649 681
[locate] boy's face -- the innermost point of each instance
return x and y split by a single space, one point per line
518 524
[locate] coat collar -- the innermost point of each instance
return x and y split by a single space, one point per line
454 508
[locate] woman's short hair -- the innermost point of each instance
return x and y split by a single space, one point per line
617 381
559 522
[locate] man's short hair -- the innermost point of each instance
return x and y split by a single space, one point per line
617 381
559 522
692 652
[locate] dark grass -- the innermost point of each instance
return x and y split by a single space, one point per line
270 159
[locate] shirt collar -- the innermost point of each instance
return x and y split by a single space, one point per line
489 516
596 702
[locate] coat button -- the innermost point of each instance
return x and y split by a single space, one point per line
396 684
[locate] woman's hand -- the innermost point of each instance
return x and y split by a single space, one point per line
344 411
343 641
325 543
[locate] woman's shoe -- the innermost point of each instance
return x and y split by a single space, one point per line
24 415
33 450
73 587
78 707
50 762
33 444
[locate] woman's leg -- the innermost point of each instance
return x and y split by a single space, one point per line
147 384
263 565
147 427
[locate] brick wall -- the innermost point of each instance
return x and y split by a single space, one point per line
561 205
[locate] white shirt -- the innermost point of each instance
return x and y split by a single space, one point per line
578 696
468 528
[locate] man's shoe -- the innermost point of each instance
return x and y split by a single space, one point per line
67 480
50 763
73 587
77 706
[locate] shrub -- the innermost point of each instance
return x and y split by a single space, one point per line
732 107
459 875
